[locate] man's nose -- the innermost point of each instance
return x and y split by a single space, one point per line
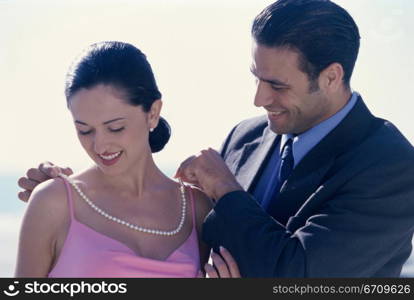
263 96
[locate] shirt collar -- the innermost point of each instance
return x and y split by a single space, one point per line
305 141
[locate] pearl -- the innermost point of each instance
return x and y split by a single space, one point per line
125 223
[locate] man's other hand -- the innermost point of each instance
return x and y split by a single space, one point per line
45 171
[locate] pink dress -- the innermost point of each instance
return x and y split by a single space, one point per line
88 253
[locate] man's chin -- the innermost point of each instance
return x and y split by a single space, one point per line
277 129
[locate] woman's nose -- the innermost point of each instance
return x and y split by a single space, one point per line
100 143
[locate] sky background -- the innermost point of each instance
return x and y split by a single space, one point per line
200 54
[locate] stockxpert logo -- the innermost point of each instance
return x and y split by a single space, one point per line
70 289
11 290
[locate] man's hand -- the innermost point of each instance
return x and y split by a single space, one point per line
45 171
208 171
224 266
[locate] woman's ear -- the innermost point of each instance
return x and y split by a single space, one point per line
154 114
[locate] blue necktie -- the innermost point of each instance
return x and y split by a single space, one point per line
286 163
285 168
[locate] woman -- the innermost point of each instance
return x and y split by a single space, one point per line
122 217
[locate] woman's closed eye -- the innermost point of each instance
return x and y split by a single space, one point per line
116 129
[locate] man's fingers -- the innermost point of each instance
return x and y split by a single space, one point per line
210 271
49 170
200 274
231 263
220 265
186 171
183 166
27 184
187 175
178 172
36 175
45 171
189 178
224 267
24 196
67 171
52 171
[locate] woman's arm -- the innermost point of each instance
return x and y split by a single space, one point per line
40 227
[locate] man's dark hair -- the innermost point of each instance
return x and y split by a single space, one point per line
319 30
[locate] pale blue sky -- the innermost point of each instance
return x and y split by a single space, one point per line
200 53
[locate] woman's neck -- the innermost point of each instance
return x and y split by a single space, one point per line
138 180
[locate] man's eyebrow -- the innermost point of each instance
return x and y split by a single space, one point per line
271 81
105 123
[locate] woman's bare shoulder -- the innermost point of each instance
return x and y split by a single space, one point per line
52 195
49 200
203 203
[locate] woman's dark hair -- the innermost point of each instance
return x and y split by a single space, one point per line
321 31
126 68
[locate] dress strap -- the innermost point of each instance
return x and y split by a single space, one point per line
69 196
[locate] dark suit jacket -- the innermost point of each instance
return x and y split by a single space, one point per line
350 202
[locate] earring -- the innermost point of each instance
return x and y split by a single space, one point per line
151 129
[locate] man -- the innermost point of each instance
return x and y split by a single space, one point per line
319 187
322 188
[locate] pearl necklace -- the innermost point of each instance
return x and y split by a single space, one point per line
132 226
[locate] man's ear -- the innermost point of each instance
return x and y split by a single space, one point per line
154 113
331 78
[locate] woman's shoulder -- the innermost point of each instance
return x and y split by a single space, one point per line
48 191
47 210
203 204
49 198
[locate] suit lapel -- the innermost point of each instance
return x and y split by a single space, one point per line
253 156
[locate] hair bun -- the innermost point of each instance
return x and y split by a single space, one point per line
160 136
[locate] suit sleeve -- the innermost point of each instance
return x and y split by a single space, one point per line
364 229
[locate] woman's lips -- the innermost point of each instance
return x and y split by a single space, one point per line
109 159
